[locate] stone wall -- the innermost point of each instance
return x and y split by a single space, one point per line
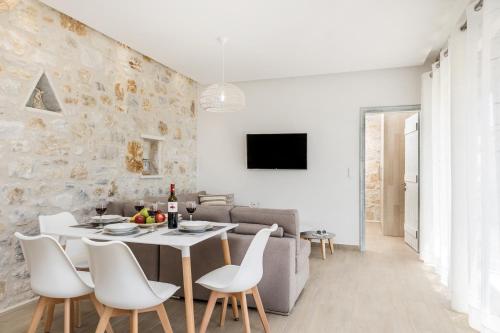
109 96
373 167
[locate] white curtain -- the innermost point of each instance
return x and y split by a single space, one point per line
464 167
436 168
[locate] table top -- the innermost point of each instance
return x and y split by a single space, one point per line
313 235
157 237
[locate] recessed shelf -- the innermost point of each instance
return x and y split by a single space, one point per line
42 96
151 146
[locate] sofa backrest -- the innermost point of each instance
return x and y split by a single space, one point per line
208 213
288 219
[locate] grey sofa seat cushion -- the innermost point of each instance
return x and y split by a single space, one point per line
208 213
252 229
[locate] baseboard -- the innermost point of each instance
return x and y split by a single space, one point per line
372 221
14 307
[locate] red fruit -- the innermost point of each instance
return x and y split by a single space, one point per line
140 219
160 217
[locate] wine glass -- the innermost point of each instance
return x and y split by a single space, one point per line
153 209
100 209
139 205
191 208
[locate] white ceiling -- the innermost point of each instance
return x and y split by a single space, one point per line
272 38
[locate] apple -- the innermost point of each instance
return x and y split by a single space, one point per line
159 217
139 219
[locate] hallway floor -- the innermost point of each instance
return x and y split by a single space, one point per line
386 289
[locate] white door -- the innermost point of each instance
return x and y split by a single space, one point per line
411 181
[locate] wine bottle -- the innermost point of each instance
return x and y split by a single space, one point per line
173 214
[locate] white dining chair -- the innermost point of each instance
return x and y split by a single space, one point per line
54 279
74 248
122 287
238 281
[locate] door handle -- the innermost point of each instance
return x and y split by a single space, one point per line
404 187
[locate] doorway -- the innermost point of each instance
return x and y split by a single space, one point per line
389 168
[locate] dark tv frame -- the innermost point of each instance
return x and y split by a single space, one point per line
295 133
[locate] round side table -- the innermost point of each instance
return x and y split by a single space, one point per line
322 237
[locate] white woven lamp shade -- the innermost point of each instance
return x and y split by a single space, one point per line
222 97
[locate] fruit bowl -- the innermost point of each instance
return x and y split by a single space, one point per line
149 225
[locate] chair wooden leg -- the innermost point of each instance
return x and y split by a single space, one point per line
162 314
134 321
99 309
244 310
49 317
260 309
330 242
208 312
234 305
223 311
37 315
323 252
104 321
67 315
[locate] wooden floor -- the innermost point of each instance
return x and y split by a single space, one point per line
386 289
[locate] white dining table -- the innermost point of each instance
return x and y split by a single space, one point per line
161 237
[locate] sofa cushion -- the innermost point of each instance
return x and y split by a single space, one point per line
252 229
181 197
213 200
208 213
229 197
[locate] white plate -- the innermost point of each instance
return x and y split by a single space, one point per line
194 225
126 233
120 227
210 227
107 218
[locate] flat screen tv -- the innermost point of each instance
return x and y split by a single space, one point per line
277 151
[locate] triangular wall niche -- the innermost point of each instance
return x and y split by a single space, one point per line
43 96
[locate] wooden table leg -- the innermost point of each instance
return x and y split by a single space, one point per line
188 289
330 242
323 252
227 261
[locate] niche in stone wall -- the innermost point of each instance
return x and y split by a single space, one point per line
43 97
151 156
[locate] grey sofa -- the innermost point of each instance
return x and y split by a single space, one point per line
286 257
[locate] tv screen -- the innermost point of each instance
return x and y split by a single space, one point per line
277 151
